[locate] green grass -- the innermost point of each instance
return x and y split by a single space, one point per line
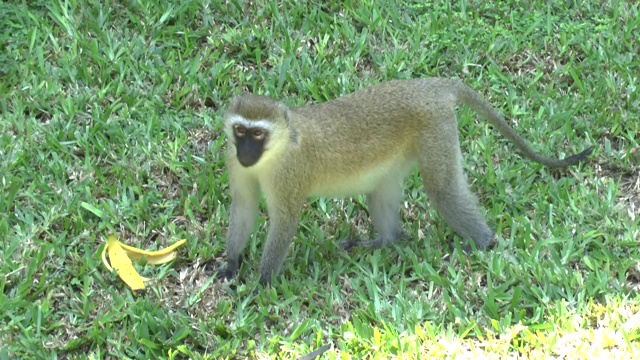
111 122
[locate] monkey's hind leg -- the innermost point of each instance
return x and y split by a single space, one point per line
446 186
383 204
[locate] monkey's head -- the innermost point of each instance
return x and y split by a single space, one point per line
256 127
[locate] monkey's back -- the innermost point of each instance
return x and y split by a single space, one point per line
359 134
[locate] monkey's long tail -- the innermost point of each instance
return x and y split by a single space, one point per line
315 353
473 100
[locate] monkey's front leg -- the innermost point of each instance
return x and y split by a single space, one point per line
242 218
284 217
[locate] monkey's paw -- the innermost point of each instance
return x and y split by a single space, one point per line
352 244
226 274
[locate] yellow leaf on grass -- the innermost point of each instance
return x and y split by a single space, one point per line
158 257
121 262
121 256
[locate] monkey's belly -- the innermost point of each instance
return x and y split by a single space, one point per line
362 182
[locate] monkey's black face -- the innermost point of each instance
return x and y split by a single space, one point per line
249 143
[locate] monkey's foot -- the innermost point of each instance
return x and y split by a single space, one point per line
468 249
226 274
231 270
351 244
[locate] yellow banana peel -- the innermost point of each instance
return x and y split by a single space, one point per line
121 257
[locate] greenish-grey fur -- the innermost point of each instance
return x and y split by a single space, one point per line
365 142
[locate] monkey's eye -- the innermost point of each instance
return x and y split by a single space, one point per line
258 134
239 130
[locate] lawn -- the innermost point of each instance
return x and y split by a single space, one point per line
111 123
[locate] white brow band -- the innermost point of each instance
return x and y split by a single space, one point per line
264 124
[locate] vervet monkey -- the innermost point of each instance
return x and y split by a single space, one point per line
362 143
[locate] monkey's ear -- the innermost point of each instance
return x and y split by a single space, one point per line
293 134
237 100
